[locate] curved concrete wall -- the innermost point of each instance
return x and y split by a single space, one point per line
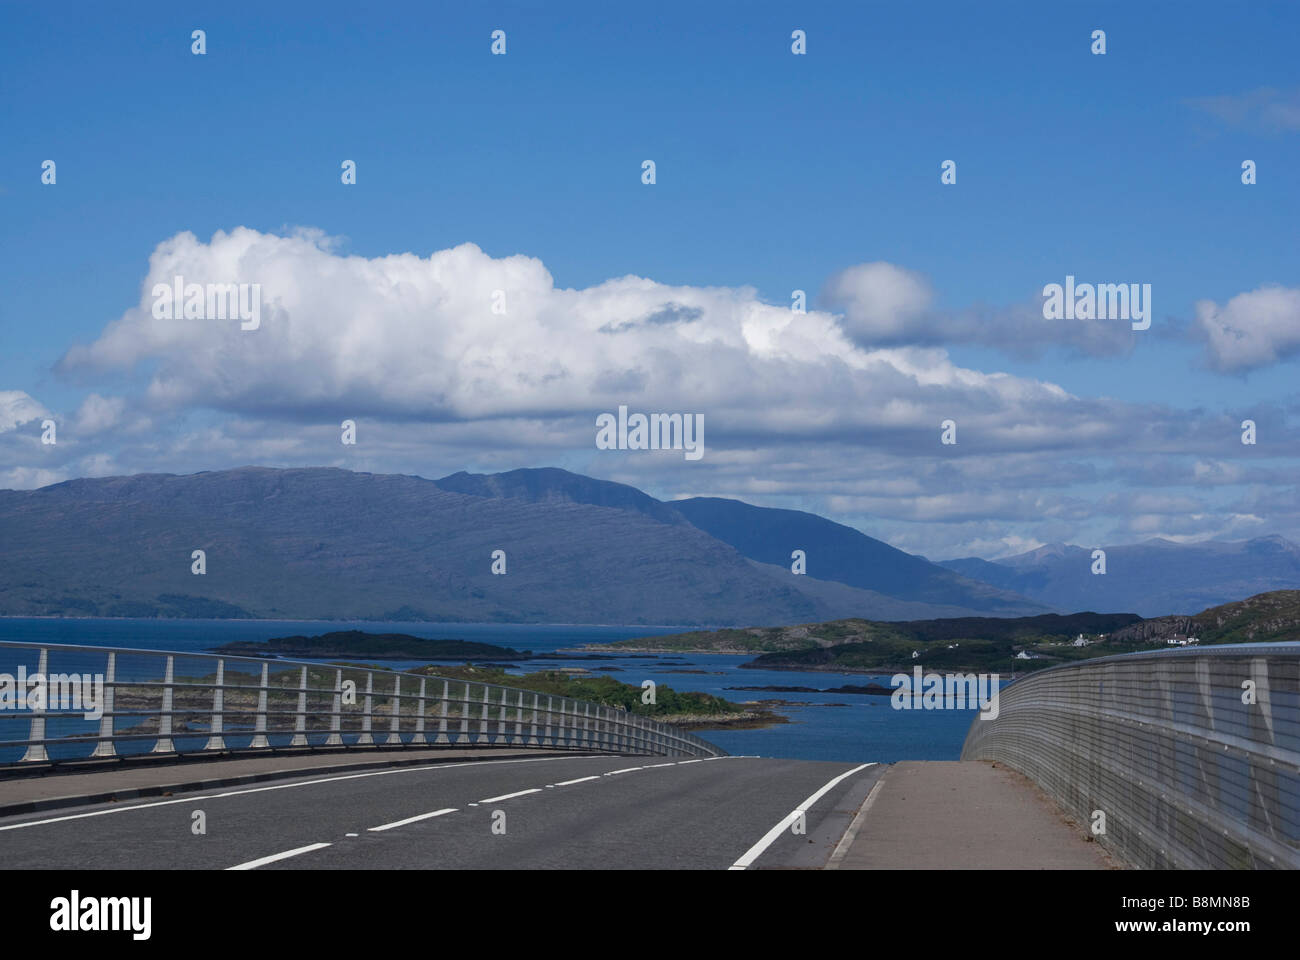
1192 755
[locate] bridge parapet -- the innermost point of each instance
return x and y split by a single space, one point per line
1188 758
63 702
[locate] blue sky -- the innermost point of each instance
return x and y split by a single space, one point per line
774 172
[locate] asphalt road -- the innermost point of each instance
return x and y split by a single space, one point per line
545 813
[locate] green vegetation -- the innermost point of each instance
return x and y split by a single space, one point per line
597 689
391 646
984 644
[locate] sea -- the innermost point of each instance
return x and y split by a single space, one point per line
823 726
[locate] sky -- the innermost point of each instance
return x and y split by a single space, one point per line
499 274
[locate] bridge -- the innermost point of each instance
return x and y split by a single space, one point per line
222 762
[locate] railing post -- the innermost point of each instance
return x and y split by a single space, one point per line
518 738
463 736
442 720
501 720
335 739
419 722
366 738
586 723
216 741
550 706
532 728
300 720
36 751
394 728
259 728
164 744
105 746
483 736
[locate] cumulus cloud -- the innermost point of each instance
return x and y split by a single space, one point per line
97 414
886 305
17 408
418 339
1254 329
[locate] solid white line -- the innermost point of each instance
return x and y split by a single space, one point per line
846 841
656 766
282 786
254 864
682 763
569 783
511 796
754 852
402 823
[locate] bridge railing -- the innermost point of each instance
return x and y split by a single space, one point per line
61 702
1187 758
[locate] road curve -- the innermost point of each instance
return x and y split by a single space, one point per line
566 812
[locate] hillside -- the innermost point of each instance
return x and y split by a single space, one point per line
1154 578
333 544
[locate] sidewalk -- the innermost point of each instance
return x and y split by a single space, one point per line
963 815
129 781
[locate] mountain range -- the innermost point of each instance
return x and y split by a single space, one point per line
326 543
1151 579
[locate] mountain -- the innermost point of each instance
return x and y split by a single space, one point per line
840 553
1151 578
835 553
332 544
550 484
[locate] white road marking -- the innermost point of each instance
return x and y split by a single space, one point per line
846 841
569 783
656 766
282 786
349 834
754 852
402 823
511 796
263 861
624 770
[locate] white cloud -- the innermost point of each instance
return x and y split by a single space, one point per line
17 408
410 338
1253 329
886 305
97 414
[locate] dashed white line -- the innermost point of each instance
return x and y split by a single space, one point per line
611 773
569 783
281 786
756 851
263 861
415 819
511 796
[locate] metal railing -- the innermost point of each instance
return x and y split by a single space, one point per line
1192 756
117 702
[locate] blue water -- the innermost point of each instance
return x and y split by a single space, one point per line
866 729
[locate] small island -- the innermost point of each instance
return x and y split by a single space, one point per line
373 646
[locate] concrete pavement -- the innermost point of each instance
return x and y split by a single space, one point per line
963 815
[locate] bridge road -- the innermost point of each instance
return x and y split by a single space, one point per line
560 812
963 815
